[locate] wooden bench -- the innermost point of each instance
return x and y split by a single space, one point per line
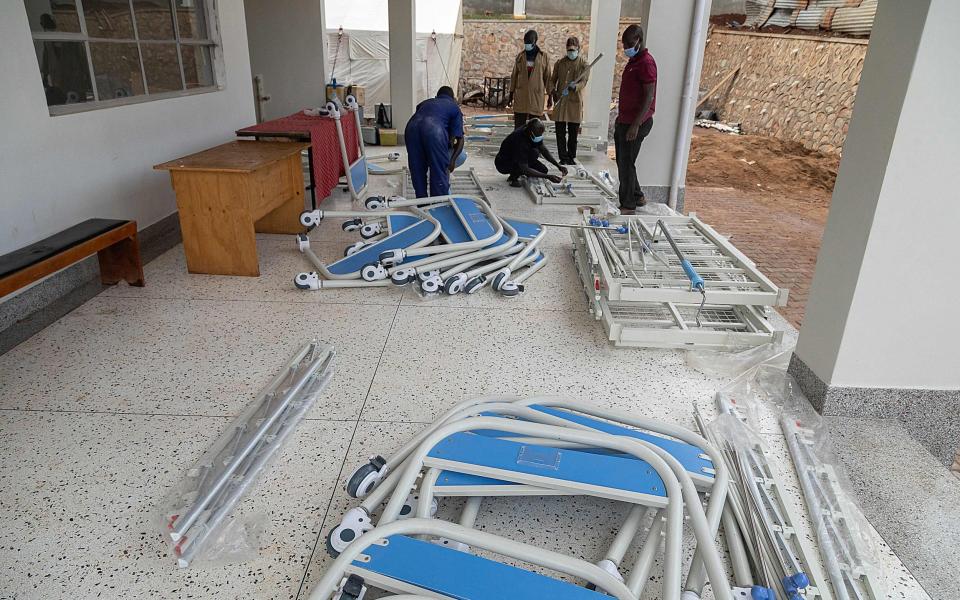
114 241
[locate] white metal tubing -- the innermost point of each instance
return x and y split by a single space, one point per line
426 492
674 489
182 524
738 552
470 511
283 432
641 568
690 91
718 491
509 548
529 271
431 263
627 533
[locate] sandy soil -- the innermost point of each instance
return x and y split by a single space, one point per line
753 163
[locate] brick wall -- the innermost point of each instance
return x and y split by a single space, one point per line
490 46
791 87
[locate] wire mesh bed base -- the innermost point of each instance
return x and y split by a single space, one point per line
463 182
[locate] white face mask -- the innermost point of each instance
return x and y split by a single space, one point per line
573 54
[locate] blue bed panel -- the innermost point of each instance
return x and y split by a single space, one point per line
456 574
371 254
358 174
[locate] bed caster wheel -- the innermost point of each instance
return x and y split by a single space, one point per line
353 248
366 477
303 242
582 173
474 284
428 274
354 524
448 543
499 278
393 156
409 508
404 276
392 257
373 272
454 284
375 203
431 285
511 289
351 588
311 218
307 281
351 225
370 230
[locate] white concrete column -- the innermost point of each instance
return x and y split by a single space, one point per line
288 48
605 38
881 329
403 43
668 26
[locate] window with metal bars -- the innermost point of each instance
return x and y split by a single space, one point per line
99 53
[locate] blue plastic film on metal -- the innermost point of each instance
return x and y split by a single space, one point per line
539 456
451 228
397 222
455 574
525 230
476 219
690 456
694 277
472 453
358 174
371 254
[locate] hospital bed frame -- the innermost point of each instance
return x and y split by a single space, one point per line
462 183
355 173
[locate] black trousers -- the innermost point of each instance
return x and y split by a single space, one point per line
567 140
514 171
627 152
521 119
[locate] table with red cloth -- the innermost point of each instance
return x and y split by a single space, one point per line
326 164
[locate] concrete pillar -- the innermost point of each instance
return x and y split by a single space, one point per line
604 37
880 333
403 43
668 26
288 48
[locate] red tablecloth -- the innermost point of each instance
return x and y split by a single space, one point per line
322 131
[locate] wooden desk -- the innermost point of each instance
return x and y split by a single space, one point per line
227 194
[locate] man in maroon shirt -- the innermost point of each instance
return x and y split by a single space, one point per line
638 99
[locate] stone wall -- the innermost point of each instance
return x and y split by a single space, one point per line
791 87
490 46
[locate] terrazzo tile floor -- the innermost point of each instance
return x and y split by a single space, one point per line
101 412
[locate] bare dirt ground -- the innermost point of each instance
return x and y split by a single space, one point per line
771 197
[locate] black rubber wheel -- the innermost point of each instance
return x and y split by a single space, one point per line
330 549
357 478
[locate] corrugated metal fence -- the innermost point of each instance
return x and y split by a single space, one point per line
846 16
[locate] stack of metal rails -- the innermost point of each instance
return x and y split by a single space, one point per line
485 133
463 182
672 282
580 187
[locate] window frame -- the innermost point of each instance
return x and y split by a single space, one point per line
212 41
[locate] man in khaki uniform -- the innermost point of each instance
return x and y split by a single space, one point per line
566 88
529 80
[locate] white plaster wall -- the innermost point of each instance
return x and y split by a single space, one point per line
880 312
667 27
287 47
902 329
57 171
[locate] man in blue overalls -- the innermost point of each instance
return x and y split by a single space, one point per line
435 128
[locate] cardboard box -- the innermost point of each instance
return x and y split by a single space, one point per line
338 91
357 92
388 137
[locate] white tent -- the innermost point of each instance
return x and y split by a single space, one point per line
361 54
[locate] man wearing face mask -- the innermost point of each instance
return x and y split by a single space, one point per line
638 100
520 153
529 80
568 99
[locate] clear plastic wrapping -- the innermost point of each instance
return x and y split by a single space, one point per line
726 363
196 518
850 555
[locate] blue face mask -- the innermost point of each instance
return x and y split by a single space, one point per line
537 139
631 52
528 47
573 54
